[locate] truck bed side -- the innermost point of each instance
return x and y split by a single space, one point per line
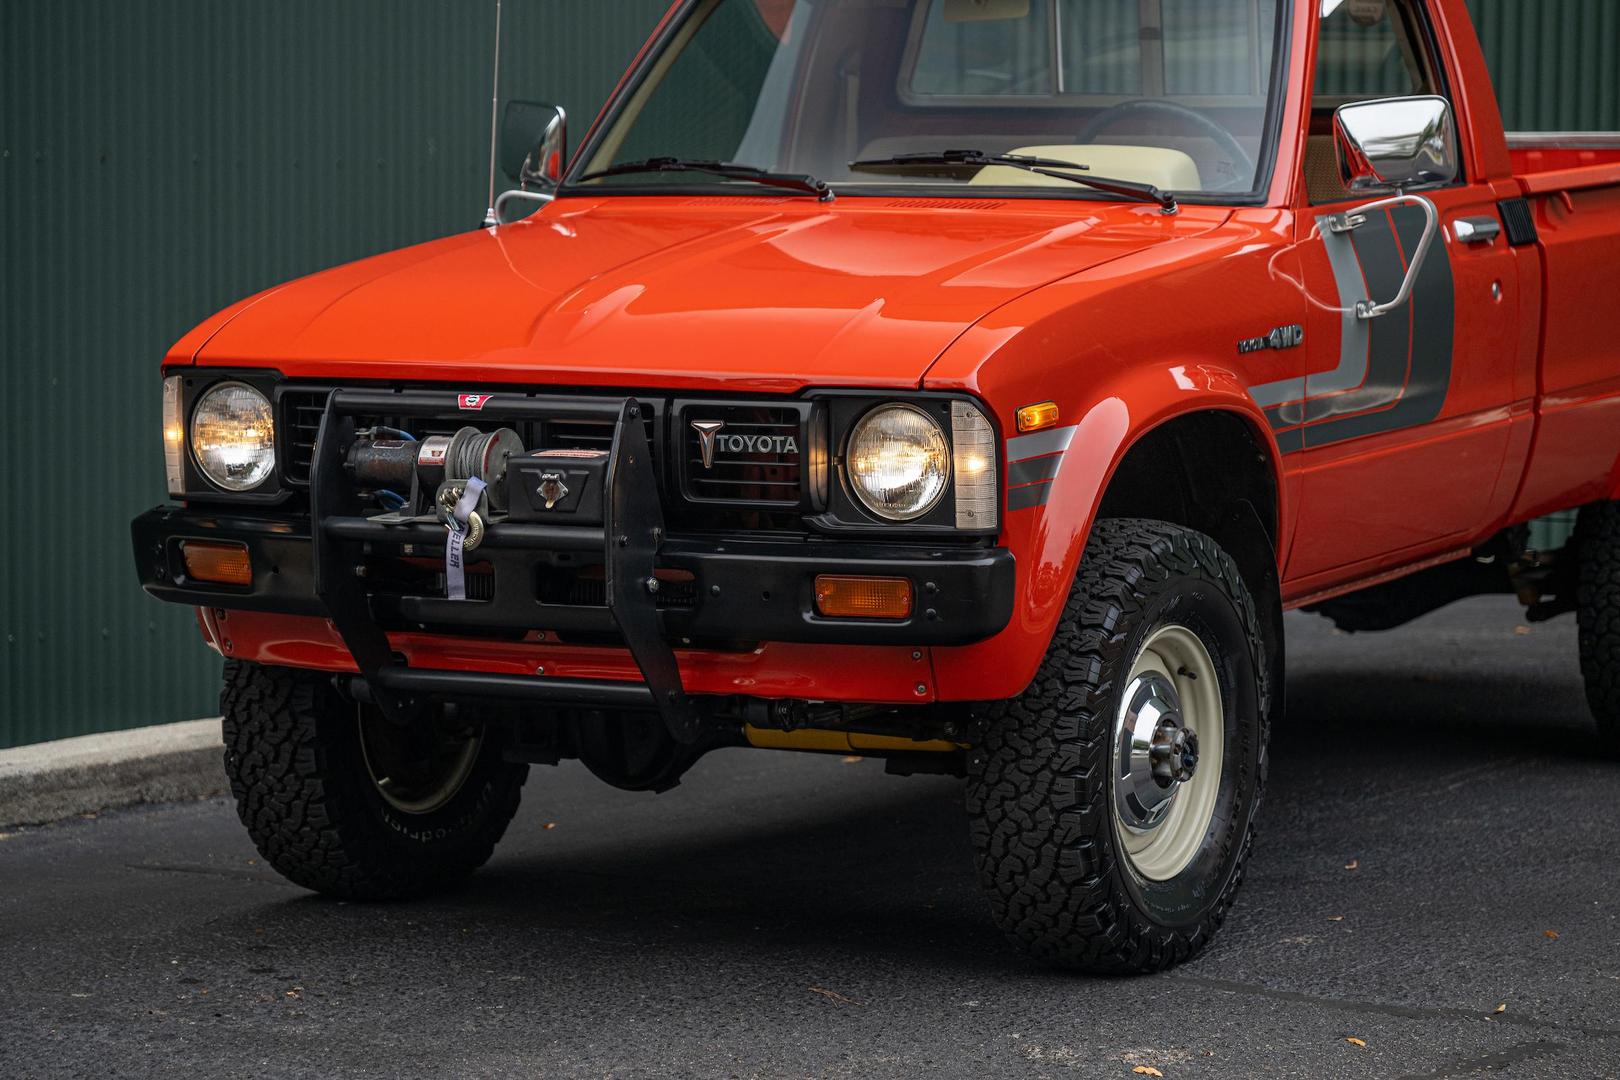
1572 184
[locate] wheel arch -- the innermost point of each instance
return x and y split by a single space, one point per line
1237 503
1112 456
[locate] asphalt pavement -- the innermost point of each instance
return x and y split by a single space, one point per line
1433 894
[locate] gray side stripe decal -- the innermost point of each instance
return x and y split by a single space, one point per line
1034 470
1354 334
1393 372
1410 373
1025 497
1033 463
1040 444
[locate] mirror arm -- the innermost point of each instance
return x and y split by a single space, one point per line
517 195
1351 220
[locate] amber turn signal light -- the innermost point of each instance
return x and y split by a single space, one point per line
1037 417
863 597
221 564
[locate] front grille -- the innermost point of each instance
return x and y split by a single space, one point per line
299 423
757 457
581 435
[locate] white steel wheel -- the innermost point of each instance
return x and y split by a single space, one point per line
1167 752
416 776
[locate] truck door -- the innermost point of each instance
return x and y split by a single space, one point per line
1404 425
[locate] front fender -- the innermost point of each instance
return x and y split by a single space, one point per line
1122 349
1048 539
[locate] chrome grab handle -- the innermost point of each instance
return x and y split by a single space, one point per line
1476 230
1351 220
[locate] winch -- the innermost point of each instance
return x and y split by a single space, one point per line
416 478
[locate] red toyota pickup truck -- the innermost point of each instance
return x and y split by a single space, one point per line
967 383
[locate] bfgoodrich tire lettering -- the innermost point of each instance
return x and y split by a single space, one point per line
294 758
1049 855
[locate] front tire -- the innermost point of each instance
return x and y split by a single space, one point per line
338 802
1112 803
1597 609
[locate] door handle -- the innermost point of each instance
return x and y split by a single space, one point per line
1476 230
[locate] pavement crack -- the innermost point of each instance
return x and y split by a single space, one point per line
1513 1055
1403 1012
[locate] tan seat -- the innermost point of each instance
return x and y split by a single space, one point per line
1168 170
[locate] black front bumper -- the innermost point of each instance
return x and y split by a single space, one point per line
744 590
736 590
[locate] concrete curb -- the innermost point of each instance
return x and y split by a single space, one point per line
50 781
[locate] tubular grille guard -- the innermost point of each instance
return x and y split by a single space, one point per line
629 539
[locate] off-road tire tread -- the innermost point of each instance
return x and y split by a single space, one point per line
1040 817
283 756
1597 608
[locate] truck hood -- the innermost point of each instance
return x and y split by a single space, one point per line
749 293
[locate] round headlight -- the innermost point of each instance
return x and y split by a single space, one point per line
899 462
233 437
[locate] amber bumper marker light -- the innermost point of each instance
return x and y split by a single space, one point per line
219 564
863 597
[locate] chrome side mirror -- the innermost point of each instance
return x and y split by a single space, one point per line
533 152
1399 143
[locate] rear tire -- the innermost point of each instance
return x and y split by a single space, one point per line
304 766
1078 843
1597 600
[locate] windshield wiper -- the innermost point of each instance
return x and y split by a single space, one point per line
953 163
800 182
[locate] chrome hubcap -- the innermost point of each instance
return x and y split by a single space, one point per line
1155 753
1166 754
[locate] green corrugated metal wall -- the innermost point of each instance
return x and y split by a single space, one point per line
1556 62
160 159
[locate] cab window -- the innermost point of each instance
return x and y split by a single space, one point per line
1371 49
1367 49
1082 49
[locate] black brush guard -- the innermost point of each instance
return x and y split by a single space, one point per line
629 540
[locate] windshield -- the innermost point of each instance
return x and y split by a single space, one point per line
1172 94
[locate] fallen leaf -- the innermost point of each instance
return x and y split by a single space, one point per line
1335 918
1522 631
1353 1041
1147 1070
833 995
1550 935
852 759
296 992
1353 864
550 825
7 835
1500 1009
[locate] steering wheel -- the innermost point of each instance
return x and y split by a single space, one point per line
1240 159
